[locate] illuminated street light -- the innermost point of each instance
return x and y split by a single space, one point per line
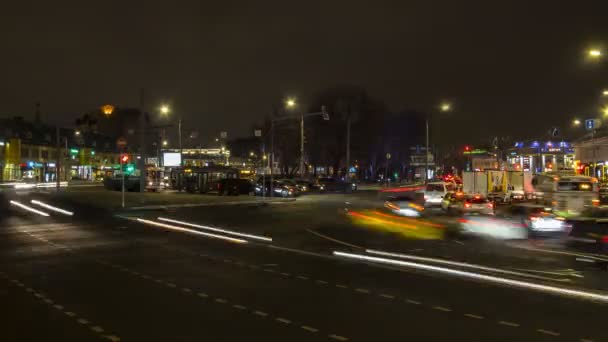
165 142
576 122
594 53
251 154
77 133
445 107
605 92
217 139
107 109
605 111
164 109
290 102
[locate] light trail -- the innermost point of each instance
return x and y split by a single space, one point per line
218 230
191 231
28 208
492 279
50 207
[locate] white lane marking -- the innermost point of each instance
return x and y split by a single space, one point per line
70 313
217 230
82 321
323 282
48 301
509 324
29 289
309 329
338 337
50 207
283 320
302 277
334 240
548 332
473 316
478 276
240 307
412 302
260 313
97 329
268 270
221 300
203 295
171 285
285 274
28 208
58 307
187 290
113 338
362 290
441 308
585 340
191 231
341 286
460 264
387 296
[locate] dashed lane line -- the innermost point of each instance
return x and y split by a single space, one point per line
45 299
338 337
283 320
341 286
240 307
410 301
203 295
473 316
302 277
309 329
221 300
441 308
322 282
362 290
509 324
548 332
260 313
387 296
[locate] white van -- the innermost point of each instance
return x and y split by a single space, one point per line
434 192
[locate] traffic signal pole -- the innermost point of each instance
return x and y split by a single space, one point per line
122 171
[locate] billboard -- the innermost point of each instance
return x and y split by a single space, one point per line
172 159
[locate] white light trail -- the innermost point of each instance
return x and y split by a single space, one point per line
50 207
192 231
477 276
455 263
30 209
257 237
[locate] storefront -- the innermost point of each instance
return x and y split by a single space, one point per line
540 157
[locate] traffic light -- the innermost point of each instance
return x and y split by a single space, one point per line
467 148
124 158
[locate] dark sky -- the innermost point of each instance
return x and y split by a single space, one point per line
509 67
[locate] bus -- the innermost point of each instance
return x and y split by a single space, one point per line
201 179
567 194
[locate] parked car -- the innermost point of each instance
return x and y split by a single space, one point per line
234 186
459 203
336 185
280 189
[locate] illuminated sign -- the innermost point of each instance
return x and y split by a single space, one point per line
476 151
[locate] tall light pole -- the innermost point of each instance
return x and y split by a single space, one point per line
443 107
165 110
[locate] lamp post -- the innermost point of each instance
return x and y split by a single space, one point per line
290 104
443 107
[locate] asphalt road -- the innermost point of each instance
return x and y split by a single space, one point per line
95 276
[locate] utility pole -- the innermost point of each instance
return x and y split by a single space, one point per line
302 145
271 159
179 133
58 162
426 159
347 177
142 143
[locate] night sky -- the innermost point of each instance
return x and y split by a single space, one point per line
517 68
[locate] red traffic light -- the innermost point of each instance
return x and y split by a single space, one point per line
124 158
467 148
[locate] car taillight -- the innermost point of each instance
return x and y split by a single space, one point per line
533 218
490 205
605 239
595 203
467 205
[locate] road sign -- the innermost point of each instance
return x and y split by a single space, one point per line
589 124
388 156
555 132
257 132
121 142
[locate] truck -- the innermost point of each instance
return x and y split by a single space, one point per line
503 186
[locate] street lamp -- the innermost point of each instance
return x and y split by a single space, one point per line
290 103
605 92
164 109
444 107
107 109
576 122
594 53
165 142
